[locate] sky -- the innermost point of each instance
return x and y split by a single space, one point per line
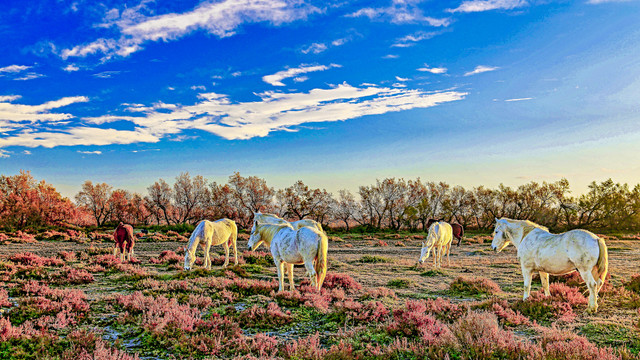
334 93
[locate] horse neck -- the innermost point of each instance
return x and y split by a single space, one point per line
516 233
193 243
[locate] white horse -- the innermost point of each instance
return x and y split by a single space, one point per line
291 246
556 254
439 239
223 231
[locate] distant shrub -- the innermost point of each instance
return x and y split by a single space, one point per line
70 275
381 243
31 259
67 256
342 281
474 286
633 284
261 258
378 292
414 320
557 307
444 309
263 318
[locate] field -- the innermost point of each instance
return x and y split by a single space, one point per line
70 299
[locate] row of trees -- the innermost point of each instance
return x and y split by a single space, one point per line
389 203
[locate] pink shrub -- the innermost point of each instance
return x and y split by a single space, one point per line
264 346
558 344
257 316
167 257
343 281
371 312
199 301
304 348
108 261
413 320
400 243
481 337
474 286
161 312
378 292
23 237
381 243
56 235
4 298
4 237
507 316
31 259
67 256
75 276
444 310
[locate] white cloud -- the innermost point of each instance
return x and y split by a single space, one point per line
518 99
14 68
71 68
401 79
4 153
605 1
315 48
26 152
199 87
13 116
486 5
218 114
412 39
400 12
97 152
480 69
276 79
29 76
221 18
107 74
433 70
390 56
300 78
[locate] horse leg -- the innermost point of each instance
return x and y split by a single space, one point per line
592 284
544 279
207 256
280 268
308 264
290 270
115 251
226 256
235 253
526 274
435 254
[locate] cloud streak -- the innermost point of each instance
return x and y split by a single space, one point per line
221 19
487 5
433 70
400 12
481 69
219 115
276 79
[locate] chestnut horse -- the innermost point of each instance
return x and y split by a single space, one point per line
123 236
458 230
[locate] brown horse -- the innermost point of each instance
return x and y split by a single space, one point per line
123 236
458 230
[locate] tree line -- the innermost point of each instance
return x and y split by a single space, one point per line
391 203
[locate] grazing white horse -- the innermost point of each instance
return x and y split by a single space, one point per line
439 239
291 246
556 254
223 231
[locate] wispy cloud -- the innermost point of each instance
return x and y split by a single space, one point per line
107 74
14 68
518 99
412 39
486 5
4 154
390 56
97 152
605 1
26 152
218 114
481 69
433 70
401 78
276 79
221 19
315 48
400 12
29 76
199 87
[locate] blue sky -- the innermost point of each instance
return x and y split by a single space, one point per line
335 93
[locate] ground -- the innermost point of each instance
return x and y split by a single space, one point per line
244 295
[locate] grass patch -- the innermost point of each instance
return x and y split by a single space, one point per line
374 259
399 283
607 334
432 273
464 285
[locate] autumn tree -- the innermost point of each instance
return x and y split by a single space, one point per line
159 199
251 194
345 207
190 196
95 198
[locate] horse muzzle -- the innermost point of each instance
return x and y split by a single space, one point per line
495 248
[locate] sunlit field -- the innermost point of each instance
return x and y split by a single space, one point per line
64 295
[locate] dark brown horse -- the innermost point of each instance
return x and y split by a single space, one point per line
123 236
457 229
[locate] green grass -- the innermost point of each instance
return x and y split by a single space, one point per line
399 283
432 273
374 259
606 334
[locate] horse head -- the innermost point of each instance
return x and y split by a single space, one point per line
189 259
500 236
255 239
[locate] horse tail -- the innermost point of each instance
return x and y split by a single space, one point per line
603 263
321 260
461 235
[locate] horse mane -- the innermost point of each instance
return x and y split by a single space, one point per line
270 230
526 225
